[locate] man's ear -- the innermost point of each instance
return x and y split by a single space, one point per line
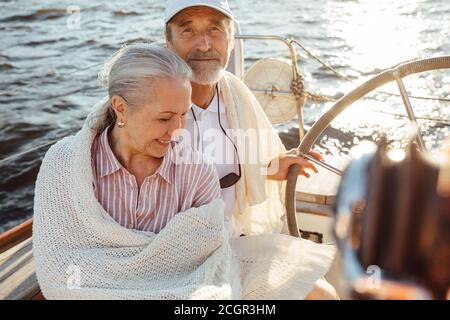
120 108
166 41
168 37
169 46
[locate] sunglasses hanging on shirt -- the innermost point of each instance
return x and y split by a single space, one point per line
232 178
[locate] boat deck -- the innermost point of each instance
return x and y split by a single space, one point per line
17 273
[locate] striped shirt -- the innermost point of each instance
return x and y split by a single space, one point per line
175 186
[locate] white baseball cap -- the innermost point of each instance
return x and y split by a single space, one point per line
175 6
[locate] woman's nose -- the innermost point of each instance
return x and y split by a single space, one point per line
176 125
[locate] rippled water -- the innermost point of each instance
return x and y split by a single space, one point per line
50 56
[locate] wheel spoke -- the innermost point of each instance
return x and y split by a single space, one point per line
409 109
321 163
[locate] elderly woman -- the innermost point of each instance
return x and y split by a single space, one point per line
136 178
124 212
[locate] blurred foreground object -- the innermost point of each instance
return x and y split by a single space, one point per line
392 223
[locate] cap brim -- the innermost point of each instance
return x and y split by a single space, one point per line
200 4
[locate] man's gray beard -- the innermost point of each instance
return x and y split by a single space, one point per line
206 72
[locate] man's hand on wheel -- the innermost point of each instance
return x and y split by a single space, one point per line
283 162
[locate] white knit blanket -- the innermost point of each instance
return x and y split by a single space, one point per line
80 252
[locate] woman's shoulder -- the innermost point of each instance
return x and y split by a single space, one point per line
59 149
61 155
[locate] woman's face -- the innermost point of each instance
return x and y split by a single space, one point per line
158 112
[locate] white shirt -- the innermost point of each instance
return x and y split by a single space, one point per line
213 144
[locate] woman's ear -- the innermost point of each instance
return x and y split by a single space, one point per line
120 108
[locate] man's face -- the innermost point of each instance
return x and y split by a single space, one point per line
203 38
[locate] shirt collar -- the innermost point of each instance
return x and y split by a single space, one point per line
165 170
113 165
212 106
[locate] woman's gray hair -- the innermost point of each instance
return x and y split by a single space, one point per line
124 72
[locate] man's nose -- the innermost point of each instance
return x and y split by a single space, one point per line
203 42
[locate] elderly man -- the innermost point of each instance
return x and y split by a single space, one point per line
227 123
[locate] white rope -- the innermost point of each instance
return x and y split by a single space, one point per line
443 121
338 74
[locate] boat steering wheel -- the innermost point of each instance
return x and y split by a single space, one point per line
394 74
